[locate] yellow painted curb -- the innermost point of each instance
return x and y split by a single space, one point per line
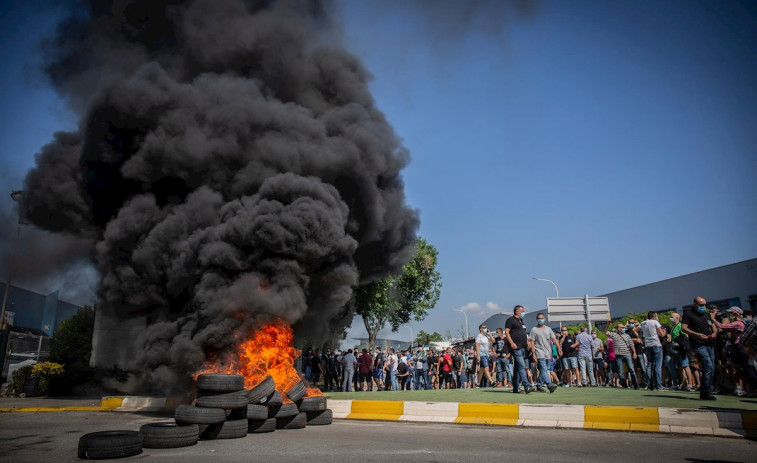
478 413
106 404
376 410
622 418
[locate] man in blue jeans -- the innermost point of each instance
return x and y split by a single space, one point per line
544 338
702 333
515 332
652 331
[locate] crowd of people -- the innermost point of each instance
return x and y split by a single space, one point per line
703 350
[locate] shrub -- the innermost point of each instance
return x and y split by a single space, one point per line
71 346
19 379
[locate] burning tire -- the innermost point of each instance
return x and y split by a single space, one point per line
110 444
320 418
257 412
237 399
187 414
283 411
296 392
220 383
297 421
233 429
260 393
311 404
259 426
168 435
274 400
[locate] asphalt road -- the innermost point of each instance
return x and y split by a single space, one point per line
53 437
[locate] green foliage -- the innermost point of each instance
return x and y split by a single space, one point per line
424 338
71 346
19 379
396 299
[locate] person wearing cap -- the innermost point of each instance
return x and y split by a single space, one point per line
738 354
624 355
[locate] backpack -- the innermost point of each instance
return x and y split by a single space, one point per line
402 368
749 336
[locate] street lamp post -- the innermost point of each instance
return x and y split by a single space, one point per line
467 332
16 195
557 291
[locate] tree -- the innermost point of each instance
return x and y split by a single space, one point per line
71 346
424 339
396 299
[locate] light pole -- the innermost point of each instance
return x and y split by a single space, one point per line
557 291
411 337
16 195
467 332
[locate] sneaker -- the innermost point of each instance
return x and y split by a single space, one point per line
530 390
663 389
566 385
689 389
579 385
552 388
541 389
707 397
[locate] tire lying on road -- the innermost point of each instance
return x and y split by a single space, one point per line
233 429
235 399
258 426
320 418
296 392
297 421
110 444
260 393
283 411
168 435
311 404
187 414
220 383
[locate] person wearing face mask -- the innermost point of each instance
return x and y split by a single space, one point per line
740 357
544 338
484 340
652 333
624 355
702 334
515 332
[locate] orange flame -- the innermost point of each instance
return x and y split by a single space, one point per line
267 351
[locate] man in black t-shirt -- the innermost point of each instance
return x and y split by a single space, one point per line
501 347
515 332
569 345
702 332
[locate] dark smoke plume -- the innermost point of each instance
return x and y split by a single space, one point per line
230 167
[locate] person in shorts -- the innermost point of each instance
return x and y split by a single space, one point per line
571 375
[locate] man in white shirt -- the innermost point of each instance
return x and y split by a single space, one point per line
391 366
544 337
483 341
348 363
651 331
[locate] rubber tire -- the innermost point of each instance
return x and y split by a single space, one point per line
104 445
283 411
236 399
233 429
209 431
296 392
220 383
311 404
298 421
257 412
275 399
259 426
236 413
260 393
320 418
188 414
168 435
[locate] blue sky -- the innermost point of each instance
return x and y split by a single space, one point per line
602 145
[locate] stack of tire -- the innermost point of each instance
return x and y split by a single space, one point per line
220 410
223 410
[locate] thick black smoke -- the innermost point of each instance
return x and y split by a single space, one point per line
230 167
